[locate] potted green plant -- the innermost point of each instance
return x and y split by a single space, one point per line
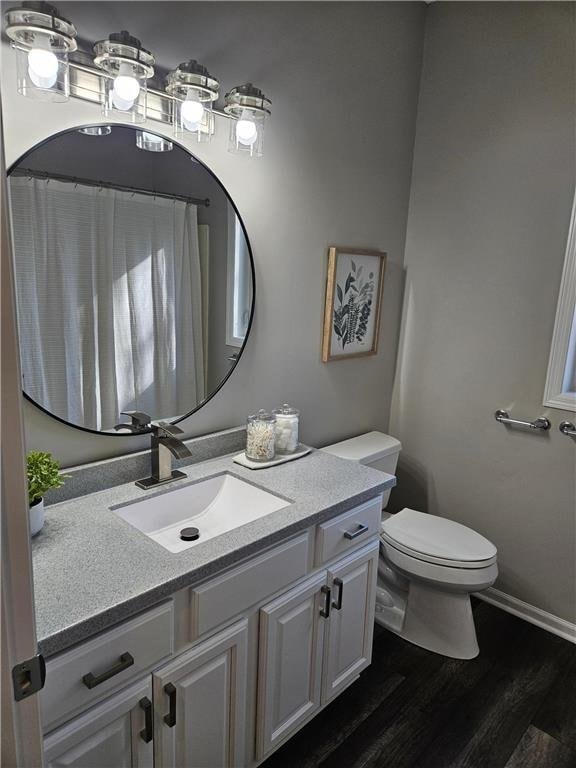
43 473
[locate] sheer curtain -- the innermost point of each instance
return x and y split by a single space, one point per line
109 293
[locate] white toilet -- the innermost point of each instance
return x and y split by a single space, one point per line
428 565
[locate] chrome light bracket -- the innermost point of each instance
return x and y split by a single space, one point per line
32 21
247 97
191 74
123 48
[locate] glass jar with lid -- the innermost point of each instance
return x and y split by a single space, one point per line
261 436
287 419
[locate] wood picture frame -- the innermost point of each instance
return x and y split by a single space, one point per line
353 303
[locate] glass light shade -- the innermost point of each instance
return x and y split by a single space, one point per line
193 118
42 73
151 142
194 91
248 108
125 94
42 39
246 135
127 66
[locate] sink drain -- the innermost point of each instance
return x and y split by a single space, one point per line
189 534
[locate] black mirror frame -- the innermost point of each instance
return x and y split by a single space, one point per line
206 400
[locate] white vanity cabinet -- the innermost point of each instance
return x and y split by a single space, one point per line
223 673
351 626
314 641
290 664
200 704
115 734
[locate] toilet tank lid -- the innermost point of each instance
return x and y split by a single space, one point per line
365 448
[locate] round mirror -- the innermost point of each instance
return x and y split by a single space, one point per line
134 278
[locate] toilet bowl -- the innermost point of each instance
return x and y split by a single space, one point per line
441 563
428 566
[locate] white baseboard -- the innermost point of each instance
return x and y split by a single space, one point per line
530 613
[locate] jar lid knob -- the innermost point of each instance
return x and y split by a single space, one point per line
286 410
262 415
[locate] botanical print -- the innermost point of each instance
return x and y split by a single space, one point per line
355 305
352 309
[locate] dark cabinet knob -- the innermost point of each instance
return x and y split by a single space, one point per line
91 680
170 718
146 733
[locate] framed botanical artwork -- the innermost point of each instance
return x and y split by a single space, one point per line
353 300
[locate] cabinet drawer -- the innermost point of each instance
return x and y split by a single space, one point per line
226 596
78 678
343 533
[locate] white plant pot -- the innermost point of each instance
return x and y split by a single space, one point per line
36 517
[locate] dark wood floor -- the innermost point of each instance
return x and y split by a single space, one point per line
512 707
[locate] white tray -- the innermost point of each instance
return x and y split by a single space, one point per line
241 459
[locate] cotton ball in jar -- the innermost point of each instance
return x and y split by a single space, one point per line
287 419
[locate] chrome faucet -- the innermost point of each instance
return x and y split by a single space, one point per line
164 445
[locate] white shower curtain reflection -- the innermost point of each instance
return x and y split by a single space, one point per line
111 284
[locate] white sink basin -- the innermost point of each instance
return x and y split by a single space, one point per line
213 506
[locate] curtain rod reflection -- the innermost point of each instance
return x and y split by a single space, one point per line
30 173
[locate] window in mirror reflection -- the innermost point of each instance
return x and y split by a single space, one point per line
239 295
126 300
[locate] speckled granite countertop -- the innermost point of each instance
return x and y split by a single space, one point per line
92 569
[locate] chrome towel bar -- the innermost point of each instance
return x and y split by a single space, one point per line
541 423
567 428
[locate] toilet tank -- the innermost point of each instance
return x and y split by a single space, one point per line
375 449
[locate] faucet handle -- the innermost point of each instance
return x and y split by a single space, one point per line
139 418
139 421
168 429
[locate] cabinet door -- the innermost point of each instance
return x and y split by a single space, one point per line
349 641
290 662
115 734
200 704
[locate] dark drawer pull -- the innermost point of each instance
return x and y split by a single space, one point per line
170 718
325 612
337 604
91 680
360 529
146 732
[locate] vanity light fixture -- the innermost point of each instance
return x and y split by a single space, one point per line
194 91
249 107
42 39
118 80
152 142
128 67
96 130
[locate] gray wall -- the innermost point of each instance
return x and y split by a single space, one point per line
491 194
343 79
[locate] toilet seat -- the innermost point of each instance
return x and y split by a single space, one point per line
433 539
449 577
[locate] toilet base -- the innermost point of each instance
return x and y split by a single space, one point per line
439 621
